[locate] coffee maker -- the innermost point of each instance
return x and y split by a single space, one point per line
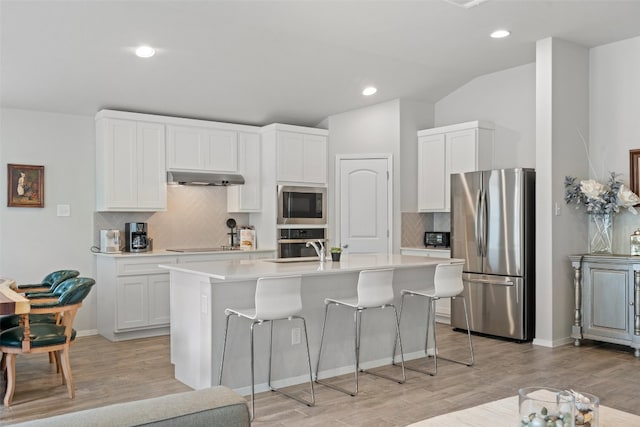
135 237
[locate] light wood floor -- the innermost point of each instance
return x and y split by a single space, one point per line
106 372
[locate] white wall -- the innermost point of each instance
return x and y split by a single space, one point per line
614 107
506 98
562 80
36 241
386 128
414 116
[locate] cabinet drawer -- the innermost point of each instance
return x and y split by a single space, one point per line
143 265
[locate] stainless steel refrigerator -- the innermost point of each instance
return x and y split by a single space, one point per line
493 229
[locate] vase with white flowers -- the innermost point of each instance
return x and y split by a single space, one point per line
602 202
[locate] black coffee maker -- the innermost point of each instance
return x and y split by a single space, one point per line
135 237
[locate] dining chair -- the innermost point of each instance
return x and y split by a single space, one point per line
44 337
48 282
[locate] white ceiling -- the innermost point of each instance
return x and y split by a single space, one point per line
259 62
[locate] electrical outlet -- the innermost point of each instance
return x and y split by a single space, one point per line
295 336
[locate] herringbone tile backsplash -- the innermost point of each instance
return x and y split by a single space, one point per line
415 224
195 218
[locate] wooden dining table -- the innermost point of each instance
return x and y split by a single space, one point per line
11 302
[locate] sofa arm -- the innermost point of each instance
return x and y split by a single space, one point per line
217 406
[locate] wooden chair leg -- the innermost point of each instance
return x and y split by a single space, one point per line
11 378
56 355
66 371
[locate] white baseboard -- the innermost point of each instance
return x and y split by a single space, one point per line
554 343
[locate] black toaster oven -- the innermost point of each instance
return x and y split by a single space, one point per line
437 238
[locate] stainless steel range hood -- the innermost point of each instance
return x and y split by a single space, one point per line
204 178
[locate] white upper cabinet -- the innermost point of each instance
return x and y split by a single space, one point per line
202 149
301 157
442 151
247 197
130 165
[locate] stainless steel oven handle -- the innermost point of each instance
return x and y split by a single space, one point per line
301 240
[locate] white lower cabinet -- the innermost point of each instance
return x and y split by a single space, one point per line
133 296
443 306
133 292
142 301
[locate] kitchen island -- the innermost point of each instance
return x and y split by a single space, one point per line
200 292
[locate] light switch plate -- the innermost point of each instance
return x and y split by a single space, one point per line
64 210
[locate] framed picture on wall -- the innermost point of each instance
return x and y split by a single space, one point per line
25 186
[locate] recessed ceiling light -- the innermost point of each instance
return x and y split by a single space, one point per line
145 51
498 34
368 91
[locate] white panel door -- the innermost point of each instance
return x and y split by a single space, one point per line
158 299
364 205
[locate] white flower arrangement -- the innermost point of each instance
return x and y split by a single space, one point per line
599 198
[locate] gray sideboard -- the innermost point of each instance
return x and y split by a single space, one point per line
607 299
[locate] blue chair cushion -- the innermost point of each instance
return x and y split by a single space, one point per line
42 335
52 279
14 320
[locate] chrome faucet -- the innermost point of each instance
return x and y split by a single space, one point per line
319 249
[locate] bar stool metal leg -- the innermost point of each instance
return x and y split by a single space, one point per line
356 348
398 339
466 318
224 347
311 402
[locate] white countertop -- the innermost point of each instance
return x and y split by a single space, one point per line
234 270
428 248
164 252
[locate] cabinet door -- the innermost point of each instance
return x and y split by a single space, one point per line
117 154
606 302
315 159
461 156
132 302
290 149
247 197
185 147
158 299
221 151
151 170
431 173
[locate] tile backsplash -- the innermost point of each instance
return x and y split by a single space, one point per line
414 224
195 217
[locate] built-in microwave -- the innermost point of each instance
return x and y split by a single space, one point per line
302 205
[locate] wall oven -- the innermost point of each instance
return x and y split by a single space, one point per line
302 205
292 241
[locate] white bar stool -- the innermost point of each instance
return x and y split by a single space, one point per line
277 298
375 290
447 283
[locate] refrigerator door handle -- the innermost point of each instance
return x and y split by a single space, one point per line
492 282
477 221
483 223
